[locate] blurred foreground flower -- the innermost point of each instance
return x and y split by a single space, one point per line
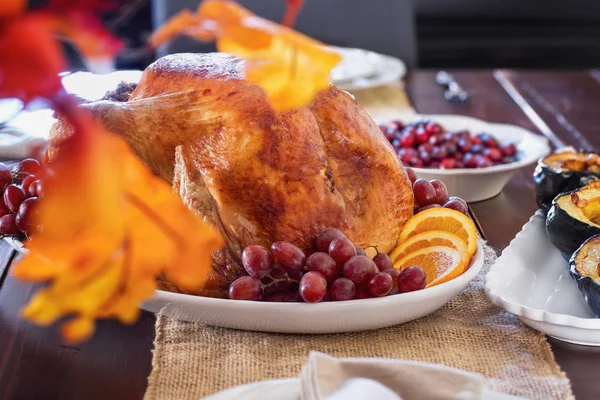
109 226
291 67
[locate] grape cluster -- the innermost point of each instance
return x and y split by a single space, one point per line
427 144
21 190
432 194
337 270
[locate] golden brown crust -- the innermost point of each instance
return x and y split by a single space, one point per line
259 175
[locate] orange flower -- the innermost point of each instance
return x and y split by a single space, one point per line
109 228
291 67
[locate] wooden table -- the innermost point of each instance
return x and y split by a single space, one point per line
115 364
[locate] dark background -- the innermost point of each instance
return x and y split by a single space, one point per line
544 34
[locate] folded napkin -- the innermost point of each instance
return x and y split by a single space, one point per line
328 378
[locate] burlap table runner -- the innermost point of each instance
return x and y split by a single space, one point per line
193 360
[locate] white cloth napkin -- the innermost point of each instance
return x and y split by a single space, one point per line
329 378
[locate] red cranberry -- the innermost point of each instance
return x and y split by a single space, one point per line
493 154
426 147
434 128
459 164
416 162
398 124
388 131
406 155
475 140
451 148
434 164
477 149
491 142
422 135
425 156
436 139
407 140
438 152
396 143
470 160
458 156
465 145
448 163
509 149
507 160
483 162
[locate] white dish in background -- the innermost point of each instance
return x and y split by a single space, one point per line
328 317
476 184
531 280
364 69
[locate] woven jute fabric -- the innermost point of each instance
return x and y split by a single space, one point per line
193 360
385 102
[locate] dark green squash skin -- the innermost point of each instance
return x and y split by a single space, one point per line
550 183
565 232
589 288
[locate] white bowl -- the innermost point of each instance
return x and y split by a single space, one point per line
531 280
482 183
327 317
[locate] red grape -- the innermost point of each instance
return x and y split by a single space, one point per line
326 237
280 286
25 219
289 257
32 191
257 261
8 225
323 264
441 191
245 288
457 204
342 289
5 176
360 251
3 209
380 284
411 175
29 165
13 197
411 279
361 292
341 250
39 190
359 269
383 262
424 192
313 287
27 183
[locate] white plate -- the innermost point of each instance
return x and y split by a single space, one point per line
478 184
531 280
363 69
289 389
327 317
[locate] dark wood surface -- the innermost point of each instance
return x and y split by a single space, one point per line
115 363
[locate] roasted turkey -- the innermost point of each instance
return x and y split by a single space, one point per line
260 175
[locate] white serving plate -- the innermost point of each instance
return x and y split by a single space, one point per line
327 317
363 69
531 280
481 183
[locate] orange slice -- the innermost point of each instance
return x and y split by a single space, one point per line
442 219
428 239
440 263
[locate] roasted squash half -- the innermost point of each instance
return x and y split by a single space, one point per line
585 269
574 218
562 172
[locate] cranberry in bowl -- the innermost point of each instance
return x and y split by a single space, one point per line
474 158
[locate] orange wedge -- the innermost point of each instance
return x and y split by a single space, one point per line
428 239
440 263
442 219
